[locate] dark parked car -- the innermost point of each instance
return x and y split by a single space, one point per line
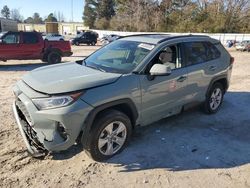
89 38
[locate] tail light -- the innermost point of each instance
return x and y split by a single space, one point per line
231 60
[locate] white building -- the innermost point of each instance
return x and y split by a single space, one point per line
7 25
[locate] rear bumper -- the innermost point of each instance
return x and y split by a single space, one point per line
67 54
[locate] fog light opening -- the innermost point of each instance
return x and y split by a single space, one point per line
61 131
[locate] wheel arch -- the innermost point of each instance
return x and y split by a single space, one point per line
220 79
49 50
126 106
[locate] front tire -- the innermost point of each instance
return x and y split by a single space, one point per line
45 59
110 134
214 99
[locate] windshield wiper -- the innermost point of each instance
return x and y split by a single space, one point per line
97 68
93 67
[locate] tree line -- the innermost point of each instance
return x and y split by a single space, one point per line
14 14
211 16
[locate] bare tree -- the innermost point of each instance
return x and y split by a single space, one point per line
59 16
15 15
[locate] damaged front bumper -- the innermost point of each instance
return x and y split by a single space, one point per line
34 148
49 130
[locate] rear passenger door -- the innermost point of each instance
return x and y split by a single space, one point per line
31 45
201 59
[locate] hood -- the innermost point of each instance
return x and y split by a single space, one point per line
67 77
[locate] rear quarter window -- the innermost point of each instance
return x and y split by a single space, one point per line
212 51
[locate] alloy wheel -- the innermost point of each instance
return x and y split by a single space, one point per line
215 99
112 138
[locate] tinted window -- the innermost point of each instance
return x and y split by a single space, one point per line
88 35
30 38
199 52
212 52
12 38
195 52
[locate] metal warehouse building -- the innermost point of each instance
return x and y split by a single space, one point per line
7 25
64 28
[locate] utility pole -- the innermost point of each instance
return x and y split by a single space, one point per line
72 17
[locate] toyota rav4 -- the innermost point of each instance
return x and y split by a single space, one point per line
135 80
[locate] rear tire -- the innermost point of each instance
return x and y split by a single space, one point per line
77 43
54 58
110 134
214 98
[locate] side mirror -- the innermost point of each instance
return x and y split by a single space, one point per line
160 70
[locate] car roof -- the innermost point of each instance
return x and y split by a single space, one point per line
157 38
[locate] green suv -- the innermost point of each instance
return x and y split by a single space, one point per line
135 80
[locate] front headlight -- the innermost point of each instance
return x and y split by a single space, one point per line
55 101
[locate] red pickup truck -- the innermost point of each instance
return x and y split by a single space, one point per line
30 45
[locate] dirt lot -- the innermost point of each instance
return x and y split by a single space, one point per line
189 150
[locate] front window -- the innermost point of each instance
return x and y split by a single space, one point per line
119 56
12 38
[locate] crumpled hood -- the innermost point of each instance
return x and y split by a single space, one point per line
67 77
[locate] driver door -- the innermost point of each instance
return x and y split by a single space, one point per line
163 96
10 46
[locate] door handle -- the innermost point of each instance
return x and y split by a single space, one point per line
181 79
212 68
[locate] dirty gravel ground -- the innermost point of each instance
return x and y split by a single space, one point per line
189 150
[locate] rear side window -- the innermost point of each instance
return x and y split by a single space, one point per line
30 38
212 51
199 52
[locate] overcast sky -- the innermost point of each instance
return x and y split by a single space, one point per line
44 7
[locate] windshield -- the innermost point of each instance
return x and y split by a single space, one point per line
79 35
1 34
119 56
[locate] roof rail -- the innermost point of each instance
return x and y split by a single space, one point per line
180 36
146 34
